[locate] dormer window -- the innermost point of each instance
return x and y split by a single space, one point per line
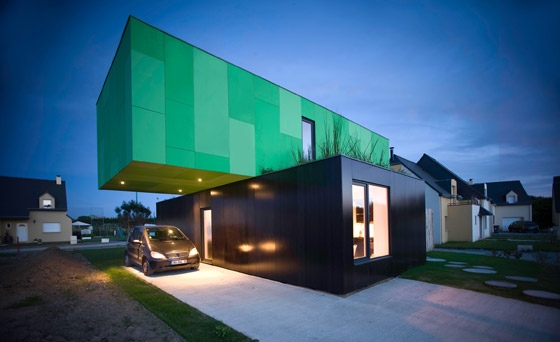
511 197
46 201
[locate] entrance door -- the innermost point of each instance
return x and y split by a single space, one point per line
207 234
22 232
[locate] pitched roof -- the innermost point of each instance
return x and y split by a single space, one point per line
497 192
18 195
441 173
416 170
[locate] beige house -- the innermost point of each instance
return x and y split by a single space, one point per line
510 200
455 211
33 210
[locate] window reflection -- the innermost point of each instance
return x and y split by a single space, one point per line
358 205
372 240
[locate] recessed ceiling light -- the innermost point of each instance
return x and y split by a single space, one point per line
180 190
200 179
122 182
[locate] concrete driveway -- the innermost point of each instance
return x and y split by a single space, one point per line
396 310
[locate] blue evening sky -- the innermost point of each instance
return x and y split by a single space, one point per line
474 84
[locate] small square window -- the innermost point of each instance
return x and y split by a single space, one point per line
47 203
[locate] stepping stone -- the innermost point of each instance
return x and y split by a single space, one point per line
454 265
484 267
435 259
542 294
457 262
479 270
500 284
525 279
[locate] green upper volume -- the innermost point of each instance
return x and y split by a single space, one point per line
172 118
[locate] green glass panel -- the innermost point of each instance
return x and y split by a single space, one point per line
148 136
308 109
179 71
240 95
210 105
148 82
267 135
323 126
179 125
113 115
290 113
211 162
265 90
179 157
146 39
289 154
242 148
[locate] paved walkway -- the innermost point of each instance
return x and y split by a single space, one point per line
397 310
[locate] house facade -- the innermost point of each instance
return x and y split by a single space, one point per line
510 200
455 209
33 210
266 190
437 200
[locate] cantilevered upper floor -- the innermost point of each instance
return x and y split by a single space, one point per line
172 118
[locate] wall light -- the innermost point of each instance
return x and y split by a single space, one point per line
180 190
246 248
255 186
122 182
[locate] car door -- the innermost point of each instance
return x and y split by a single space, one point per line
133 246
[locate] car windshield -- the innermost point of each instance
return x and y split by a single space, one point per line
167 233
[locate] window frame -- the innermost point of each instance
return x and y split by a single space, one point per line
367 215
311 123
51 227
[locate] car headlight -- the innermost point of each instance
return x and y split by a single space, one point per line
157 255
193 252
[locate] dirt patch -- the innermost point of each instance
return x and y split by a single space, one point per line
54 295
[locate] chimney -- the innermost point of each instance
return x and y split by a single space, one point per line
485 190
392 153
471 181
58 180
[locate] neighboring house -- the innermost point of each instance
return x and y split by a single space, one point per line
556 201
437 199
511 202
33 210
266 191
460 212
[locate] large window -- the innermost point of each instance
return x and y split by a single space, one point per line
371 222
308 138
51 227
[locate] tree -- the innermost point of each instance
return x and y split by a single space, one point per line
132 213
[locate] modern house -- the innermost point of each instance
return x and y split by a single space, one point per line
460 212
33 210
274 184
510 200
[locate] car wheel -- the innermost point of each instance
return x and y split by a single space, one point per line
146 268
127 261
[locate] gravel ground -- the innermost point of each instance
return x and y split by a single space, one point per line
54 295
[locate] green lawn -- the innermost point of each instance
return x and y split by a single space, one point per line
437 273
509 242
188 322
